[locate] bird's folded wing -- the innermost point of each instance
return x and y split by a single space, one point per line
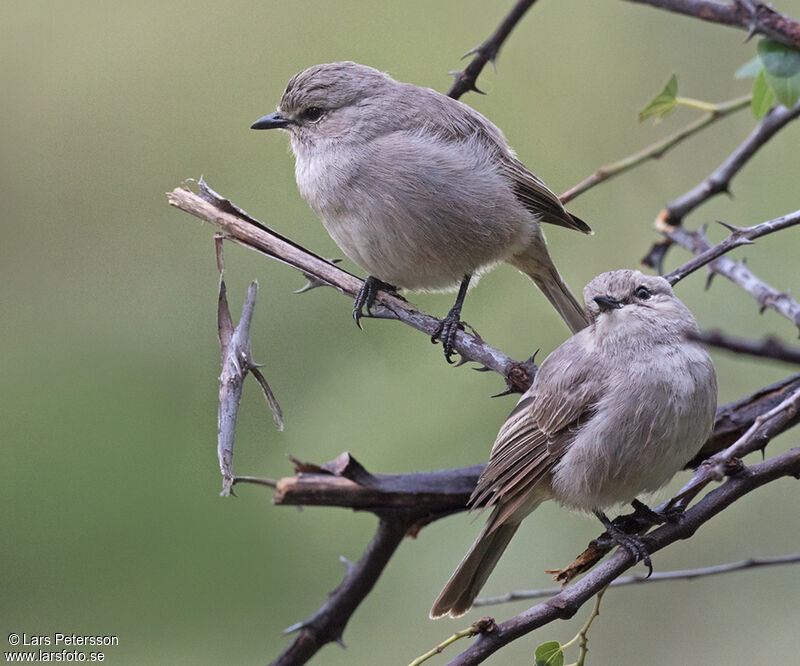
538 198
538 431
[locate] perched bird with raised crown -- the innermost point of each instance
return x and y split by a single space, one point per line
613 412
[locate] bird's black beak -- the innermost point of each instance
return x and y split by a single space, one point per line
272 121
607 303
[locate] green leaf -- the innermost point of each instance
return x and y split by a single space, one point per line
663 103
749 70
763 97
779 60
549 654
781 71
787 90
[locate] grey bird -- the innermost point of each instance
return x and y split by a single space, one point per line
613 412
418 189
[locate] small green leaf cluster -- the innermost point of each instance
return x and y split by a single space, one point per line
776 70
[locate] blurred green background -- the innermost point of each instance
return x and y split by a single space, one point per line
111 521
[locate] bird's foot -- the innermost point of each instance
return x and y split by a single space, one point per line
367 295
447 332
635 544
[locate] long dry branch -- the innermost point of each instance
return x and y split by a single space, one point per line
249 232
657 577
752 15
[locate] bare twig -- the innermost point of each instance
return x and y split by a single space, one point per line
739 236
567 602
236 363
487 52
255 480
658 576
655 151
246 231
752 15
766 295
769 347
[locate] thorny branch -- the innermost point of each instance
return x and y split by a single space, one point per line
764 428
737 272
752 15
487 52
739 236
249 232
236 363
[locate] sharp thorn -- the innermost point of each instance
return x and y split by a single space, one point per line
348 565
297 626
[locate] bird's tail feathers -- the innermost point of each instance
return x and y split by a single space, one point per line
460 591
539 268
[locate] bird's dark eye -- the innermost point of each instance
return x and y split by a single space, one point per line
312 113
642 293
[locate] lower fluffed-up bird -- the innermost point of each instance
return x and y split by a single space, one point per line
418 189
613 412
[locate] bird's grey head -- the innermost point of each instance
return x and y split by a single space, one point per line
632 303
332 101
